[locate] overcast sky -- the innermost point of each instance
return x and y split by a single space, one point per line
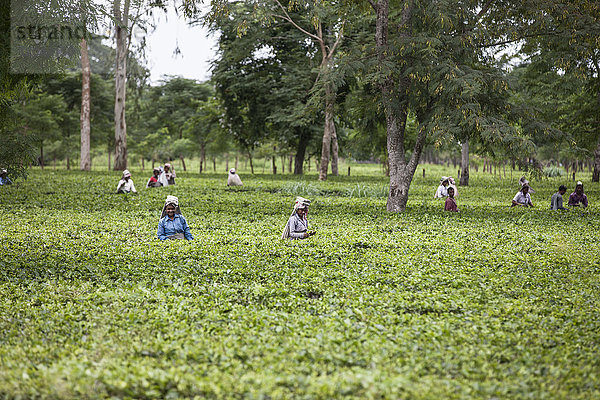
172 32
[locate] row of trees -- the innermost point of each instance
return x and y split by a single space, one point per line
368 79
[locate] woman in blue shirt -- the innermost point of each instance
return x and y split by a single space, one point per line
172 224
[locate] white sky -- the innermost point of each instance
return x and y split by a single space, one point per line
197 50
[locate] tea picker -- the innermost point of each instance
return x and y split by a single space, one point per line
233 179
297 225
172 225
4 179
126 184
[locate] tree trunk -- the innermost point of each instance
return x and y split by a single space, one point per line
109 164
183 163
274 165
464 163
334 150
121 27
85 163
250 160
202 157
68 163
42 154
396 114
226 161
327 131
290 160
596 174
143 163
282 164
301 152
237 159
214 160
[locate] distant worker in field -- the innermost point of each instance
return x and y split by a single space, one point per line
442 190
578 198
4 179
167 177
233 179
522 198
450 204
126 184
452 184
556 201
297 225
153 181
172 225
523 181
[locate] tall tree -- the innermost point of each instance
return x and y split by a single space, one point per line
432 64
121 17
85 159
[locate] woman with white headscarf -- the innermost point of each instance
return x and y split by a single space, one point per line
172 225
167 176
452 184
442 190
233 179
297 225
126 184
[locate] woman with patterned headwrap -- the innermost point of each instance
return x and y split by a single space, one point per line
172 225
297 225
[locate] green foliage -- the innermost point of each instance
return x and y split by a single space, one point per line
493 302
554 171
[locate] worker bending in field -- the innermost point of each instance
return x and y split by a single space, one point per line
578 198
4 179
126 184
153 181
172 225
450 204
522 198
233 179
442 190
297 225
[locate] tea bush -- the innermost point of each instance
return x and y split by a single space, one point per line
493 302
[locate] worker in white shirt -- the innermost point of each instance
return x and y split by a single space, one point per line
126 184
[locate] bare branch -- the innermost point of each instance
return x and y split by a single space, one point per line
373 4
291 21
338 40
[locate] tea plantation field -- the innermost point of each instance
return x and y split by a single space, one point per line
491 303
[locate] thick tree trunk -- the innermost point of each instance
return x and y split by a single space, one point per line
290 160
396 113
122 22
301 152
85 162
596 174
464 164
